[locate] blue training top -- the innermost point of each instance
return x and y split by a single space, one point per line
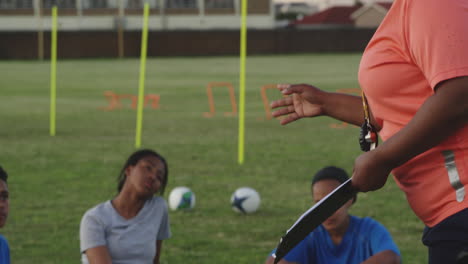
364 238
4 251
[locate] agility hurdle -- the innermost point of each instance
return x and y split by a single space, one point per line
266 102
209 93
114 100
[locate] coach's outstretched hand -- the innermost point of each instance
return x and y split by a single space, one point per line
305 101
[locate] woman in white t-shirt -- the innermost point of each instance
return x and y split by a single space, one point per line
131 227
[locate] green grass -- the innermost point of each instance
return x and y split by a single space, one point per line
54 180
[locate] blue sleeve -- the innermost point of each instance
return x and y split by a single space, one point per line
380 239
4 251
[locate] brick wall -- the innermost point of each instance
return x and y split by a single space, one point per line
89 44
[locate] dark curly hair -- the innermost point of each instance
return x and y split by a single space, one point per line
332 173
133 160
3 175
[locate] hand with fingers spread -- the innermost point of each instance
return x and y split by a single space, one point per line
303 101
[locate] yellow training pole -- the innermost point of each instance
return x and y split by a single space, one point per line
40 30
243 52
120 29
141 88
53 71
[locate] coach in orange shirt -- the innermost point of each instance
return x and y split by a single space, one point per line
414 74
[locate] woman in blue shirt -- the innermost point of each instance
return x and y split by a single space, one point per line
342 238
4 209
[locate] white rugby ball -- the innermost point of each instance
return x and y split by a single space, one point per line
245 200
181 198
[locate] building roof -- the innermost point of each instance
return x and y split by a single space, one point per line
381 7
386 5
340 15
332 15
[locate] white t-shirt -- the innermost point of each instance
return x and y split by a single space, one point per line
131 241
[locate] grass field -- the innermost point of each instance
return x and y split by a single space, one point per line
54 180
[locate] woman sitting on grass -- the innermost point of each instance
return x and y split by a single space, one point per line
130 228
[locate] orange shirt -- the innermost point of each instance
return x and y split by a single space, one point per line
419 44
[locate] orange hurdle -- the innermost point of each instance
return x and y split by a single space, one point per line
209 92
266 102
114 100
347 91
154 98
